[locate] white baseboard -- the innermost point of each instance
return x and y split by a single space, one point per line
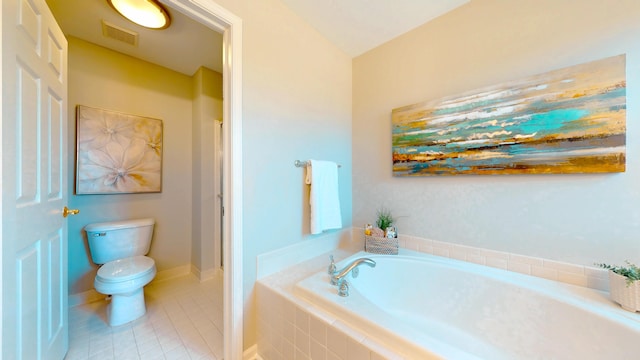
251 353
172 273
206 274
85 297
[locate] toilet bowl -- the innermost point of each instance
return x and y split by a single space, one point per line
124 280
119 248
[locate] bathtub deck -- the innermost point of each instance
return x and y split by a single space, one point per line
291 328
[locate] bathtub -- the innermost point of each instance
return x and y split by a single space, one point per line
427 307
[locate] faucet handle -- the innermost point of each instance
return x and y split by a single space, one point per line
332 267
343 288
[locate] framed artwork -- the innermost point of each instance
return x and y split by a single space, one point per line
117 153
571 120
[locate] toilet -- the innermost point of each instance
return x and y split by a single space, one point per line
119 247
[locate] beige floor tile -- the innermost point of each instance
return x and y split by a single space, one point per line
180 323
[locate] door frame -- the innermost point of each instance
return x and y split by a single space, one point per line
220 19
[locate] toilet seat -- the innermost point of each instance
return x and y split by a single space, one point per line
125 275
125 269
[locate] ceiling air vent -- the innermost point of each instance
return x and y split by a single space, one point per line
121 34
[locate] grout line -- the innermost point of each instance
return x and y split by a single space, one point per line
169 303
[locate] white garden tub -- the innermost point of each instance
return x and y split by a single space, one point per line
426 307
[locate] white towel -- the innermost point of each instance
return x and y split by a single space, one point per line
324 197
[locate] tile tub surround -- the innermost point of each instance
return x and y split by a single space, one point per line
290 328
280 259
586 276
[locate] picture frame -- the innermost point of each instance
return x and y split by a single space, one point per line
117 153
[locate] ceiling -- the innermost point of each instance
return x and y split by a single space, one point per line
169 47
355 26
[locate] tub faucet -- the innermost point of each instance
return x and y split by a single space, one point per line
337 276
332 267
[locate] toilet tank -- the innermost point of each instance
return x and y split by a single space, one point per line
115 240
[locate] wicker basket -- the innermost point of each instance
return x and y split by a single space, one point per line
381 245
627 296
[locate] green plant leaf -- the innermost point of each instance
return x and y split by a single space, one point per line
631 271
385 219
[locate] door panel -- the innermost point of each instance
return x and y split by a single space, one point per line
56 150
27 291
27 124
55 304
34 168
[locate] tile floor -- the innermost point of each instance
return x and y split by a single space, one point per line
183 321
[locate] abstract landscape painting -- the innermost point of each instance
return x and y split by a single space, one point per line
571 120
118 153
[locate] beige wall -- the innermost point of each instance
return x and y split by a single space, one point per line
106 79
296 105
574 218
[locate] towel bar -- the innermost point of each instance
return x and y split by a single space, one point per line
299 163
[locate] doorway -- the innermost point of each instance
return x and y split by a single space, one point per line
221 20
218 18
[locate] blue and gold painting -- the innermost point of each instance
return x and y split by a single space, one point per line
571 120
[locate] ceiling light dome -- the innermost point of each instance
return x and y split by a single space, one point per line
148 13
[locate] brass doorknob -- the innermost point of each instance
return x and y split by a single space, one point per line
66 211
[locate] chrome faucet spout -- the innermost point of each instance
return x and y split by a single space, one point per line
337 276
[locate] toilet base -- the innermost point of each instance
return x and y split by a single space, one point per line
125 308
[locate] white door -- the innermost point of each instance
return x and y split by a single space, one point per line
34 182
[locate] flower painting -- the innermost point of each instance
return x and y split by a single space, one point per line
117 153
571 120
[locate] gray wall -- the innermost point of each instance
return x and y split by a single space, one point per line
109 80
296 105
579 219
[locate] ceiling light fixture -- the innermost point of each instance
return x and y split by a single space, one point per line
148 13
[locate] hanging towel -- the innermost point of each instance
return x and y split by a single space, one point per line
324 198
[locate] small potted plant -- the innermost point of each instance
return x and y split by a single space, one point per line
385 220
382 239
624 287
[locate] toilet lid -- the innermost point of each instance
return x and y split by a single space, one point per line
126 269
